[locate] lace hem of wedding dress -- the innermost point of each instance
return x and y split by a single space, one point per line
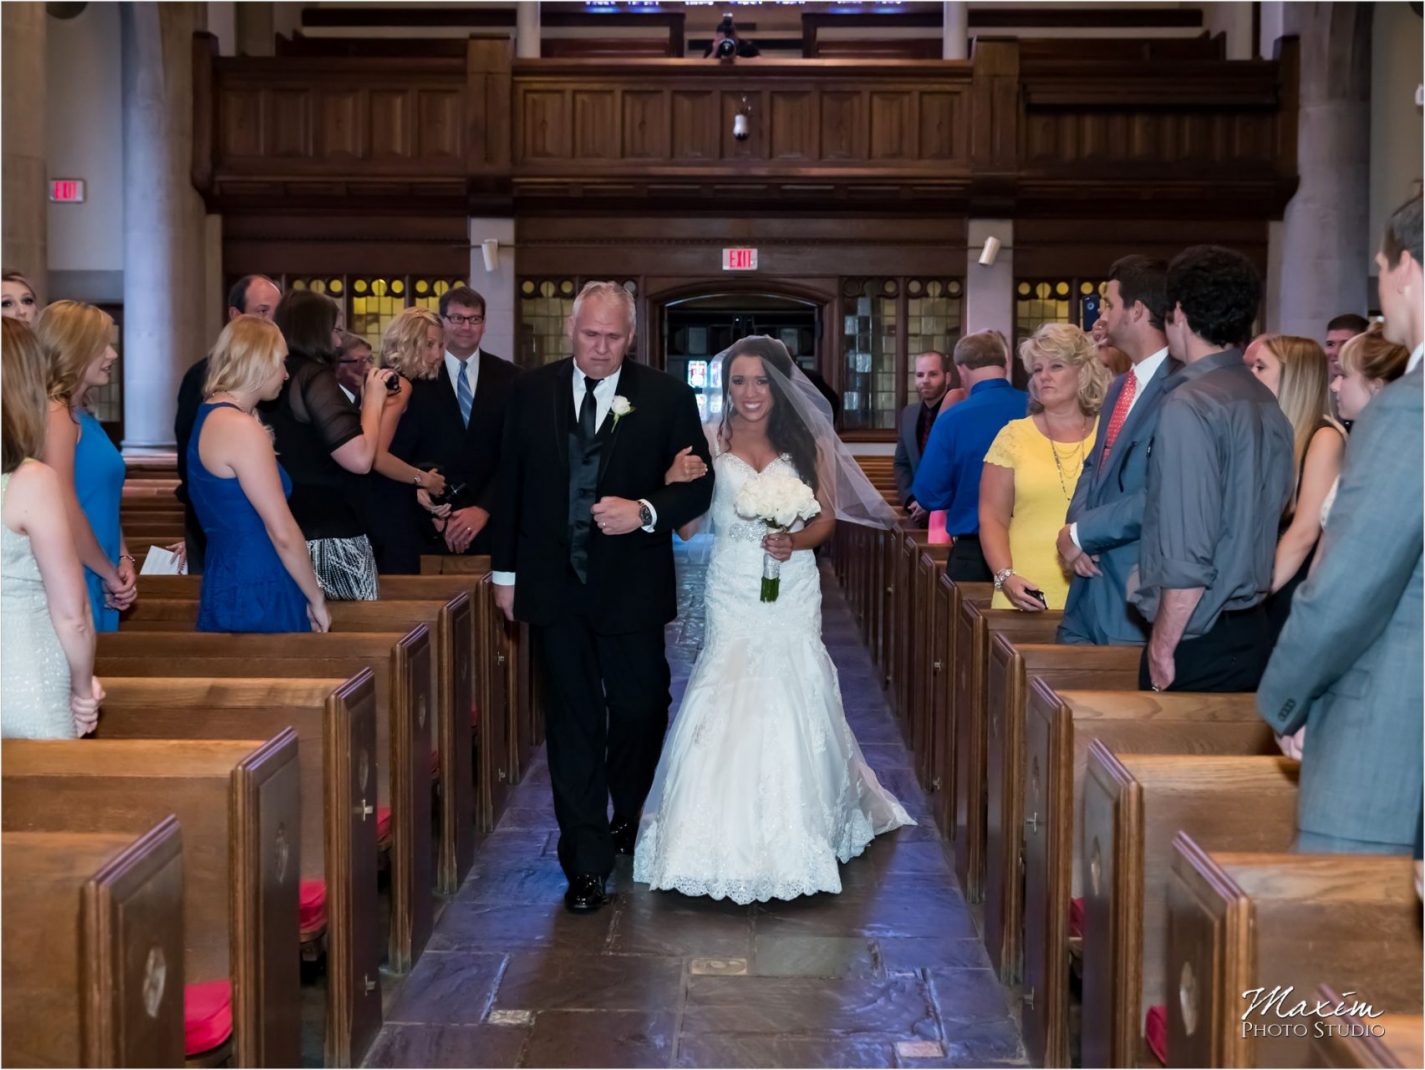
822 873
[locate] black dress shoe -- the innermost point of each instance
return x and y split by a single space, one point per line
585 894
624 833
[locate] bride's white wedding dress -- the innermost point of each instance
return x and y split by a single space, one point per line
761 789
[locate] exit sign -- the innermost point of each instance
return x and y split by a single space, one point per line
739 260
67 190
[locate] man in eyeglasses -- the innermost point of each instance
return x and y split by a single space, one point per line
458 418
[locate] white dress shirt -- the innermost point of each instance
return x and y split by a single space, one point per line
1143 373
452 367
604 394
1414 361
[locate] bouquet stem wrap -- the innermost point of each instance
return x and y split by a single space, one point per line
771 572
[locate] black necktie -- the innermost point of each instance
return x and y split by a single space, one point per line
588 409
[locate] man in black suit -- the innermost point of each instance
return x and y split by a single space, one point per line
932 380
456 421
256 295
584 520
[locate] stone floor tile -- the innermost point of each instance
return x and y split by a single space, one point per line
447 988
470 924
602 1039
904 954
537 880
815 956
898 1006
735 1049
555 980
967 995
448 1046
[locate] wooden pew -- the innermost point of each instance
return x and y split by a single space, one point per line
238 805
1133 805
93 948
1240 922
919 666
335 723
1012 663
1059 729
970 680
513 684
1358 1040
452 626
400 664
901 621
937 764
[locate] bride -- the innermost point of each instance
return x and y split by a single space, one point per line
761 789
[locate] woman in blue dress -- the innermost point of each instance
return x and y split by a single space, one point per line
257 574
76 340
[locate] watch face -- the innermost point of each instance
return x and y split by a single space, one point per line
645 515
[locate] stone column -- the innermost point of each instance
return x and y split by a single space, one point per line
1325 239
163 219
256 28
527 30
956 29
22 142
989 291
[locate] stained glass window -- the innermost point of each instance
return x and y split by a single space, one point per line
1039 301
934 311
544 306
868 346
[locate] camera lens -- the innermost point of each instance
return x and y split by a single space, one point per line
393 383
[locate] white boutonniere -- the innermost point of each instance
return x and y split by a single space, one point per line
620 409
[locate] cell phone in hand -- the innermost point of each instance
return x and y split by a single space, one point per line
1038 596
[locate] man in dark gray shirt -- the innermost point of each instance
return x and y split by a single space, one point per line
1219 478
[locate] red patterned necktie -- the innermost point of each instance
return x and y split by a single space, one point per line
1120 412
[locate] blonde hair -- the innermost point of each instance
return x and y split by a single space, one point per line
606 291
1374 356
403 339
1301 391
72 335
1064 341
24 402
246 353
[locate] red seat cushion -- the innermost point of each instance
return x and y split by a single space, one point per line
1155 1031
474 715
207 1016
311 908
1076 917
383 826
435 765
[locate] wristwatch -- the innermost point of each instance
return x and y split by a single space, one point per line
645 515
1002 575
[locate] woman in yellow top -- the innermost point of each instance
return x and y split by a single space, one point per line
1033 465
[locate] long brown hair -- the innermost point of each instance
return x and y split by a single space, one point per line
72 335
24 401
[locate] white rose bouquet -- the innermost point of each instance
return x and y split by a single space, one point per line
778 500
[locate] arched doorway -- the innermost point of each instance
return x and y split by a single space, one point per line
698 322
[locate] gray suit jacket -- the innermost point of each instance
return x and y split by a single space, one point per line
1347 664
907 449
1108 507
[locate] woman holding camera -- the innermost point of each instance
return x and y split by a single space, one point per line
326 442
411 349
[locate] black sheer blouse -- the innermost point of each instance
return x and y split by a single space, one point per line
310 419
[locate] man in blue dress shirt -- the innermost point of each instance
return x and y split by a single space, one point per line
949 473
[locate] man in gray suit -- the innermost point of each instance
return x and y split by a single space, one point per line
932 381
1100 540
1346 669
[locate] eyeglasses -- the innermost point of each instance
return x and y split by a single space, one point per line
461 321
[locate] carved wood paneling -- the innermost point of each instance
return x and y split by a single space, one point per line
792 115
693 119
893 126
340 129
596 125
390 124
544 125
842 120
439 125
645 126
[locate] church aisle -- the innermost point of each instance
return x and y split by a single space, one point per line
889 973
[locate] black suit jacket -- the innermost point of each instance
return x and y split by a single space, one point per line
630 577
431 431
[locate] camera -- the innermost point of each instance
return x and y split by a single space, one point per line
393 383
453 489
726 48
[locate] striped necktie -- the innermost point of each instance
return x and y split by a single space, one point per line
463 394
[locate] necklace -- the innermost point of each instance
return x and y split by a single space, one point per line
1073 475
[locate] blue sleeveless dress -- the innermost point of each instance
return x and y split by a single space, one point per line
99 485
246 588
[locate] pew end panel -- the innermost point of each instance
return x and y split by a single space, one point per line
1060 726
335 723
103 913
1390 1040
1133 805
1242 925
239 805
